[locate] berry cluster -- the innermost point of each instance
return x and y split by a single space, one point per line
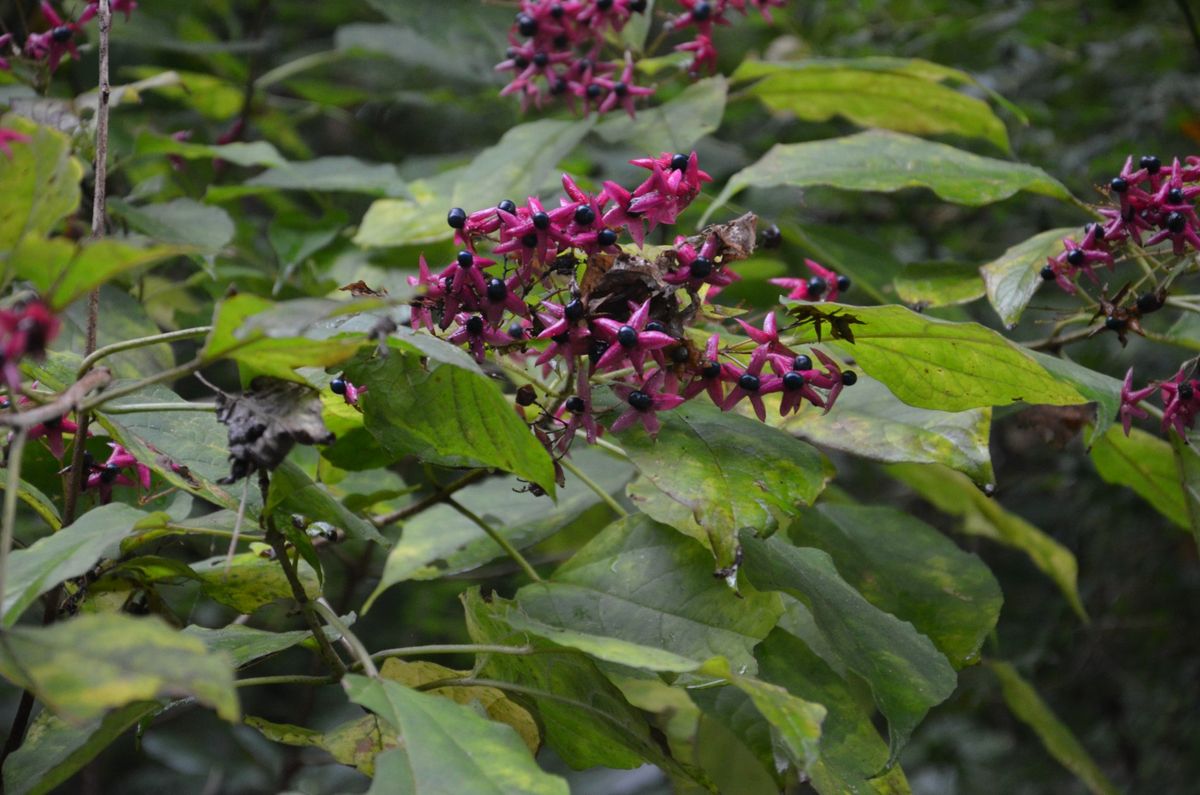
102 477
556 49
58 40
559 291
1180 396
1153 205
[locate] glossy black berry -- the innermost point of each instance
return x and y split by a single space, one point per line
620 89
541 221
561 339
802 362
521 61
679 162
772 237
1114 323
109 473
702 268
1151 163
526 395
594 90
338 386
575 405
497 290
711 370
457 218
1185 391
530 240
465 259
640 400
1118 185
849 378
574 310
654 325
527 25
1048 273
507 205
556 11
516 330
843 283
793 381
1097 229
816 287
701 11
540 59
475 325
627 336
1176 222
606 237
1148 302
749 383
1175 196
596 349
584 215
680 354
62 33
559 86
1076 257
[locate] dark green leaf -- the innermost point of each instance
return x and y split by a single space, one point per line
258 153
82 667
246 644
248 581
1146 464
731 472
1188 462
1101 389
906 672
183 222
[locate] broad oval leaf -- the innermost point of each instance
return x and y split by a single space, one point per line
933 284
448 747
889 161
1012 278
1145 463
907 674
65 271
82 667
729 471
904 566
183 222
674 126
869 421
936 364
39 182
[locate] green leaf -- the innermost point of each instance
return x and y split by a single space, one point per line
38 502
407 46
55 749
889 161
322 175
39 183
906 672
440 541
904 102
1013 278
183 222
81 667
294 493
851 750
258 153
909 569
401 222
1146 464
981 515
356 743
675 125
206 94
934 284
1056 737
1188 461
450 416
70 552
641 582
1096 387
448 747
587 720
936 364
869 421
246 644
248 581
242 331
64 271
730 471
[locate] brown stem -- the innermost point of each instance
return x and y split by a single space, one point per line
67 401
425 503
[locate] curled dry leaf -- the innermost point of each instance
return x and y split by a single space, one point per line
266 421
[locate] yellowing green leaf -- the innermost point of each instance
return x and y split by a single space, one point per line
251 580
1013 277
39 183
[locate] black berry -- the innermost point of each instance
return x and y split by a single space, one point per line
594 90
541 221
702 268
497 290
1151 163
793 381
604 5
843 283
816 287
1118 185
574 310
61 33
475 325
1076 257
627 336
1048 273
802 362
527 25
541 59
679 162
465 259
596 349
849 378
680 354
1148 302
1114 323
526 395
1176 222
606 237
516 330
749 383
338 386
575 405
620 89
507 205
772 237
556 11
638 6
640 400
109 473
711 370
1175 196
701 11
1185 391
654 325
530 240
584 215
457 218
558 87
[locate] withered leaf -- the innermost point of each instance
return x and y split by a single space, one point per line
839 321
359 289
266 421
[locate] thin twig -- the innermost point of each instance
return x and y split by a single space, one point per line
11 492
456 648
284 679
425 503
146 408
571 467
355 646
70 399
503 542
185 369
141 342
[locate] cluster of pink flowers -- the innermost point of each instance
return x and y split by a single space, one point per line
1180 396
102 477
58 40
556 49
625 337
1153 205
